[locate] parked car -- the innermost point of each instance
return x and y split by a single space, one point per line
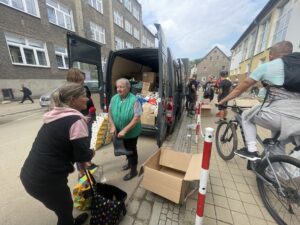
45 99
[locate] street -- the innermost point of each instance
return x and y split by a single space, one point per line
17 133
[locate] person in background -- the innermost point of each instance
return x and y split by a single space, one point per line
26 94
124 115
77 76
224 90
208 89
61 141
192 93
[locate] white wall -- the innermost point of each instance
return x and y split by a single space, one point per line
235 61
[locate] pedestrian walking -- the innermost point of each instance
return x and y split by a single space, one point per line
26 94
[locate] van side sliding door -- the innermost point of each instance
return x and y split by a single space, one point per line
163 86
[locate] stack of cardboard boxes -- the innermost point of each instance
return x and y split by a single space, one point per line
148 82
149 110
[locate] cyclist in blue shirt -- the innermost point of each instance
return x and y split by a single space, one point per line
280 112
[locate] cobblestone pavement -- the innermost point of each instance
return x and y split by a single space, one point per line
232 196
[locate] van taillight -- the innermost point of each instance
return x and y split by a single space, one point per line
169 110
104 101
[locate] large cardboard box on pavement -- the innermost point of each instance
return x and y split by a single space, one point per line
168 173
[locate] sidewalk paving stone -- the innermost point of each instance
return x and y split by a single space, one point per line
232 196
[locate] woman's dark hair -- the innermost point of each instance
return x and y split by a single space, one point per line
224 73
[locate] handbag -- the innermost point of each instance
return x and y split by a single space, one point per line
119 148
108 202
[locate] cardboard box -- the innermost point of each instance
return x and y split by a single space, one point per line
168 172
146 88
148 108
206 109
149 77
148 119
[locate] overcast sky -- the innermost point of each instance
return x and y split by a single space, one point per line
193 27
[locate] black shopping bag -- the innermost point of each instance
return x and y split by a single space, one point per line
108 202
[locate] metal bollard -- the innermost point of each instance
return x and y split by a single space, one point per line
204 174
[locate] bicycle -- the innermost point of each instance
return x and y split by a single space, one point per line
277 176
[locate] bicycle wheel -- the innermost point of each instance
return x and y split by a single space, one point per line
284 204
226 140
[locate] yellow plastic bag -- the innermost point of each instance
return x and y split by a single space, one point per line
82 197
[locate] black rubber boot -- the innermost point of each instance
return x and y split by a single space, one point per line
133 173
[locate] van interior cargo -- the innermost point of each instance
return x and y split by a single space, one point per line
140 67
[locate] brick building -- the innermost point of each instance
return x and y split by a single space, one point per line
211 64
33 38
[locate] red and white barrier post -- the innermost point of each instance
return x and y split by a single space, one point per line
208 138
198 123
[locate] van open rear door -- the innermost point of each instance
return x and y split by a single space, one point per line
163 86
85 51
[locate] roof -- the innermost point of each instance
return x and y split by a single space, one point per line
268 7
216 47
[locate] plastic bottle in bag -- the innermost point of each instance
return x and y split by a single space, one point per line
99 176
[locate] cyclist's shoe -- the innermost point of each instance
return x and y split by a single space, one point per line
220 121
244 153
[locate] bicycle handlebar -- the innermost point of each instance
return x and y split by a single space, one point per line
234 106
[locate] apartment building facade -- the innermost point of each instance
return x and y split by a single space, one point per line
33 48
277 21
211 64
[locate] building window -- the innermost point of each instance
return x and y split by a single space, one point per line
119 43
144 41
128 5
136 13
128 27
263 36
97 4
223 67
210 58
60 15
245 49
128 45
98 33
27 6
217 57
118 19
136 33
282 22
24 51
251 45
61 56
204 68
